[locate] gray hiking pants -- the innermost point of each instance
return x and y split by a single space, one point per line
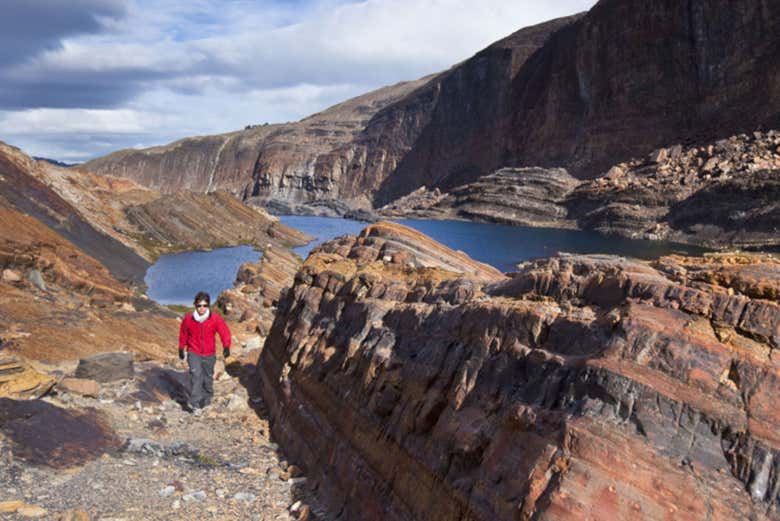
201 379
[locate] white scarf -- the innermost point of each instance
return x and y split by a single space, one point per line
201 318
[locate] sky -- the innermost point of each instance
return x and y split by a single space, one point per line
82 78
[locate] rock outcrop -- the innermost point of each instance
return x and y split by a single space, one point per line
578 387
723 193
204 221
517 196
20 381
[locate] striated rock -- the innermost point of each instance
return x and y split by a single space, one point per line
19 381
122 224
519 196
395 244
25 191
578 387
200 221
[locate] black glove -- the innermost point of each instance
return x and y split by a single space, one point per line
226 352
181 353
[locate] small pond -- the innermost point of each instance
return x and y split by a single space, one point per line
175 278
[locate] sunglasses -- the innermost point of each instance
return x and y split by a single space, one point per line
201 305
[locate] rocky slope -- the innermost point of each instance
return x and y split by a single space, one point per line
720 194
578 387
109 209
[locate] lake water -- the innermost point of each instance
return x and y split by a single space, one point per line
495 244
174 279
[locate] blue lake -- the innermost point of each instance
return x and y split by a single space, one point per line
495 244
174 279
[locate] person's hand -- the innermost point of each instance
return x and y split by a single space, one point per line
226 352
181 353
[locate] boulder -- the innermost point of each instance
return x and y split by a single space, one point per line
11 276
81 386
106 367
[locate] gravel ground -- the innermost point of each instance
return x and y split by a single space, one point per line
134 453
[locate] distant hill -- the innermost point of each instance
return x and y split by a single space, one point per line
54 162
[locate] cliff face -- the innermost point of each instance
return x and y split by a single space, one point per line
578 387
303 161
624 79
582 93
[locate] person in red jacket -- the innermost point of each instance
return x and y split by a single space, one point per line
197 337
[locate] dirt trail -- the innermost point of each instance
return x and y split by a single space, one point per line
133 453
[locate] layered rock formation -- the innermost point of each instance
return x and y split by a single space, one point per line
205 221
415 385
518 196
582 93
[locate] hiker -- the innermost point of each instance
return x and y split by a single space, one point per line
197 337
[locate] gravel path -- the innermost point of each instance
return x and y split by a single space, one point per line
133 453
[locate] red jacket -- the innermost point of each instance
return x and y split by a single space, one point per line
198 337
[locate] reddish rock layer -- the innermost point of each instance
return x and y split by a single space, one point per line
581 387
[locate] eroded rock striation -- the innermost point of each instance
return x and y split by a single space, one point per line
578 387
518 196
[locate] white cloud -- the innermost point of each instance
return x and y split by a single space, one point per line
171 68
65 121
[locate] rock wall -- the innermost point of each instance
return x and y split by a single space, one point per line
315 158
578 387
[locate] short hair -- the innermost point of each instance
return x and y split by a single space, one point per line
202 295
